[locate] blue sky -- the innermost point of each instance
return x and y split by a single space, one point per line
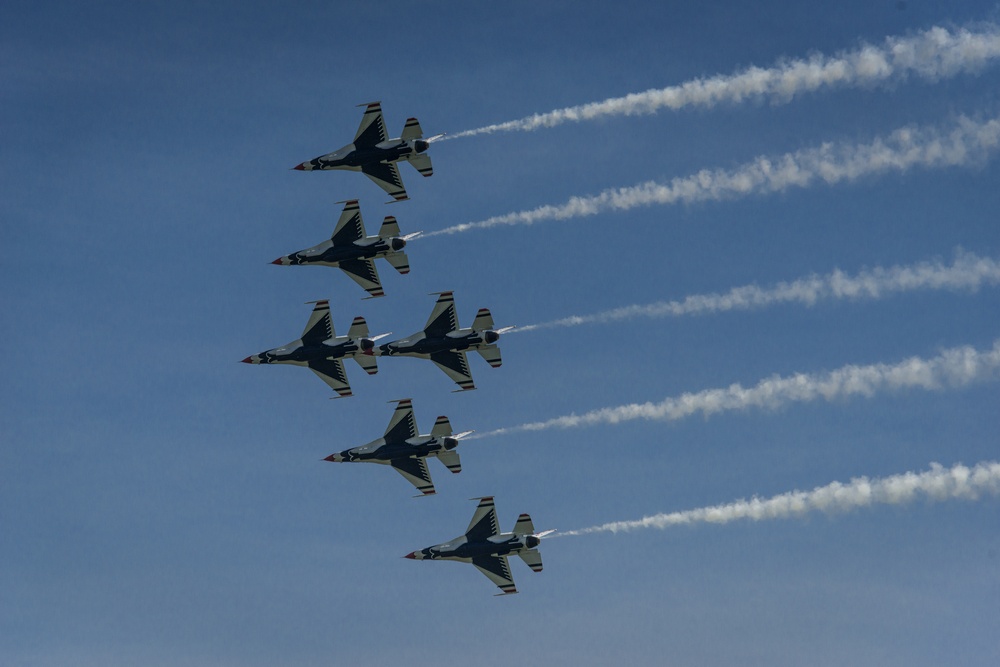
163 504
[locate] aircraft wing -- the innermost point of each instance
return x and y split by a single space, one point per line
402 425
331 371
498 570
320 325
350 227
444 318
456 366
532 558
364 273
372 128
484 521
415 472
386 176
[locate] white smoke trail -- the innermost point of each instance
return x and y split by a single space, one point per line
967 271
934 54
966 142
956 367
936 484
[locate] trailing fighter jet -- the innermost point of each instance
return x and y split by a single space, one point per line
403 448
352 251
323 352
445 344
487 548
375 155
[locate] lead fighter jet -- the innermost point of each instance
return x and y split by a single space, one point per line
445 344
403 448
354 252
487 548
323 352
374 155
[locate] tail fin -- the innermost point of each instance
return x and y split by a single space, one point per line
389 227
359 328
442 427
412 130
483 321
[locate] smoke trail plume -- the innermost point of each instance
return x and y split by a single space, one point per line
956 367
966 142
937 53
967 271
934 485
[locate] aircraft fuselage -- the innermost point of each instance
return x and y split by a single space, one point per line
380 451
461 549
328 254
420 345
299 354
352 158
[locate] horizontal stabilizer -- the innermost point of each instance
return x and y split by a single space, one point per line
451 460
399 261
491 353
524 526
359 328
412 130
369 363
442 427
422 163
483 321
533 558
390 228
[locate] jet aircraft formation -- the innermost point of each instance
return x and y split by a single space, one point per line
442 341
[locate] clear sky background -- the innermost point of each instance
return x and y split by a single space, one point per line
163 504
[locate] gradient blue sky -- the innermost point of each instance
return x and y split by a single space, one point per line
162 504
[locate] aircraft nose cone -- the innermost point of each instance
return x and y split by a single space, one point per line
411 555
278 261
300 167
248 360
332 458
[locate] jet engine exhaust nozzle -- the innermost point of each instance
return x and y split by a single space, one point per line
491 337
531 541
450 443
420 145
397 243
367 345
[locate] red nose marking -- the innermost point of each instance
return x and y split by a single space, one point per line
247 361
410 555
278 261
300 167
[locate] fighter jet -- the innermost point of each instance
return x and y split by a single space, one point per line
445 344
376 156
323 352
487 548
405 450
352 251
